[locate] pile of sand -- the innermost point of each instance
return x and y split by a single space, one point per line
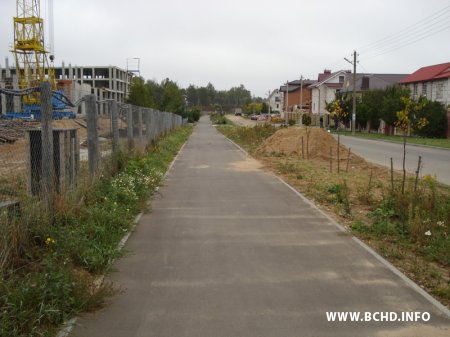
289 141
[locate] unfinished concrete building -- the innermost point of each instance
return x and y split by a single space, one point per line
107 82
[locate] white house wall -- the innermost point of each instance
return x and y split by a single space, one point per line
276 101
438 90
315 101
326 95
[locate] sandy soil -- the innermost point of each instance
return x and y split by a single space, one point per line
13 156
289 141
241 121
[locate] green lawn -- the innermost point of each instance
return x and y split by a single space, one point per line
444 143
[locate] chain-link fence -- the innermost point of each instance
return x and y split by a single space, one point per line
45 156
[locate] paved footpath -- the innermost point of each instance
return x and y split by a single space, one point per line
231 251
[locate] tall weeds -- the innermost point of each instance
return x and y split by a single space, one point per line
49 261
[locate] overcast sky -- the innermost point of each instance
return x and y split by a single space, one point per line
258 43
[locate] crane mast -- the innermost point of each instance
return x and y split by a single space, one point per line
32 64
29 50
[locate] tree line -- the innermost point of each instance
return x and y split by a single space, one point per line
384 104
169 96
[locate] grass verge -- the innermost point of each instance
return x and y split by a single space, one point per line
436 142
49 264
218 119
409 229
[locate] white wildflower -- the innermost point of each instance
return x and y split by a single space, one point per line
428 233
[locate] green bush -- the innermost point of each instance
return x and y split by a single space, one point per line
342 195
436 115
218 119
193 115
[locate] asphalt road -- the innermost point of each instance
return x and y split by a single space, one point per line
435 161
229 250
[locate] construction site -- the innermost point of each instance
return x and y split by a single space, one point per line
91 130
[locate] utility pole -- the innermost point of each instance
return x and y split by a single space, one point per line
301 93
287 102
354 91
301 99
268 102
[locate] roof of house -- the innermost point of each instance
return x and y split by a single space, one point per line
429 73
326 76
295 85
323 76
273 93
374 81
298 82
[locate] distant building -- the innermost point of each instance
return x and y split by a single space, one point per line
276 101
107 82
432 82
298 94
324 91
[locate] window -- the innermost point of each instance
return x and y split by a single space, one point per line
415 89
439 90
424 89
341 79
278 106
365 83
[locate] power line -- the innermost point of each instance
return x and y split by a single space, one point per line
407 43
435 26
424 22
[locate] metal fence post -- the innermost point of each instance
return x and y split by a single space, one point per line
93 151
48 173
115 127
130 128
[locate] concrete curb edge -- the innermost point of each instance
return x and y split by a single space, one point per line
386 263
67 327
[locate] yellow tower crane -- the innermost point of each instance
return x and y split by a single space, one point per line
29 50
32 64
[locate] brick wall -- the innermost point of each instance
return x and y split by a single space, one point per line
294 97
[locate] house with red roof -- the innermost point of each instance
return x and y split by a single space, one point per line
432 82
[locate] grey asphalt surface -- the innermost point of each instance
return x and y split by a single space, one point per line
229 250
435 161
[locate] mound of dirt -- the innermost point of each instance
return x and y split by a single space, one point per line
289 141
